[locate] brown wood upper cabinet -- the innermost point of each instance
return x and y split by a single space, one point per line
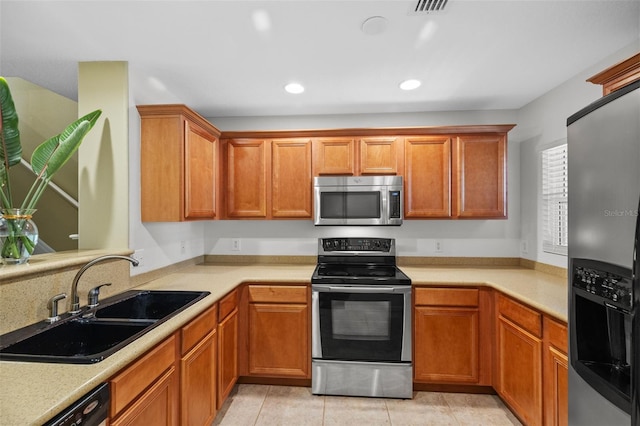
449 172
268 179
619 75
427 177
351 156
479 176
379 155
459 176
178 163
246 177
334 156
291 178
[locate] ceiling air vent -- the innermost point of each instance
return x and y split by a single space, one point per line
430 6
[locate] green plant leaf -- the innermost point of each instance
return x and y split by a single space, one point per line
10 146
53 153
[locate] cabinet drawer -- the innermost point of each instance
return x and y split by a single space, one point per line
227 304
130 383
157 406
525 317
197 329
278 293
446 296
556 334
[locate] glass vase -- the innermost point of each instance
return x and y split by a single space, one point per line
18 235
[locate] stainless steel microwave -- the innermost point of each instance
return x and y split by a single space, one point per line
358 200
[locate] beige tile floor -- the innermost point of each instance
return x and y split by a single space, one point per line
285 405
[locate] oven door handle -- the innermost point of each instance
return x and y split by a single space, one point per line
360 289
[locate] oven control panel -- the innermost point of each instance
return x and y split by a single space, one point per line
383 245
608 284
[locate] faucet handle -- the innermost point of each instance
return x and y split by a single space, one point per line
52 305
94 293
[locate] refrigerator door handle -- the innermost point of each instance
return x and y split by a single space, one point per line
636 267
635 327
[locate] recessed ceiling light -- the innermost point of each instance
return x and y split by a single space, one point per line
261 21
294 88
410 84
374 25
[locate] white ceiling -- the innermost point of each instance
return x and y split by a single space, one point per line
233 57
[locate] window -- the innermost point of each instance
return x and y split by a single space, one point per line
554 200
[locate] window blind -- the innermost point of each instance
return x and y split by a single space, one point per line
554 200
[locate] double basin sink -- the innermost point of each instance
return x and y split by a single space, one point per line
94 334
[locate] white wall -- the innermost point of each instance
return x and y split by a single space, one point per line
162 242
539 124
542 124
497 238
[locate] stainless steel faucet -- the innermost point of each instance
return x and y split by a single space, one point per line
75 300
53 307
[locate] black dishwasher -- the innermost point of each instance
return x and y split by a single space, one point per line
90 410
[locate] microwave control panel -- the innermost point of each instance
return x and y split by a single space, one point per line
615 286
395 204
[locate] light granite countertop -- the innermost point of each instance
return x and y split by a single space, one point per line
32 393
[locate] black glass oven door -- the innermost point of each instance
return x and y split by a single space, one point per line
361 326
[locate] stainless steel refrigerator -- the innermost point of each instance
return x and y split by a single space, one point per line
604 197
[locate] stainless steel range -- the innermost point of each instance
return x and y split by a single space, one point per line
361 320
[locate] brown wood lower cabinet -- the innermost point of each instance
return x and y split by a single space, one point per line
519 351
174 383
156 406
227 345
197 384
451 323
519 359
555 373
448 335
146 392
198 370
278 340
262 333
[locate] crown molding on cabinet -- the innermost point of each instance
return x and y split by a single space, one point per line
369 131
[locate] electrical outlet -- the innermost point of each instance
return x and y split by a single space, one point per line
235 244
438 246
139 256
524 246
